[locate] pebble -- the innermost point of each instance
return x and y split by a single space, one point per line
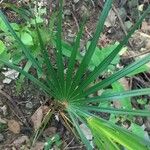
75 1
67 12
29 105
1 137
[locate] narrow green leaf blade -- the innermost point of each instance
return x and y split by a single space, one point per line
117 111
86 60
51 76
72 58
118 95
83 138
59 59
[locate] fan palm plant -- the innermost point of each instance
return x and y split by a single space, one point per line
72 90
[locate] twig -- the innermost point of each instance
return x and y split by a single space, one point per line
141 81
137 55
13 106
68 144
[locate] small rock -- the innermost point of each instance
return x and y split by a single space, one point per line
67 12
75 1
1 137
4 110
29 105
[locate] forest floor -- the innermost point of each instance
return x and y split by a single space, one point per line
17 110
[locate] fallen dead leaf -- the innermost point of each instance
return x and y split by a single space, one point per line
37 117
20 141
38 146
14 126
50 131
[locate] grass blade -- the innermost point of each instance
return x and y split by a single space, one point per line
72 58
51 76
59 59
91 49
83 138
117 95
104 64
117 111
23 47
117 134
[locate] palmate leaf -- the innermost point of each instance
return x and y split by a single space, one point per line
121 136
23 47
106 62
86 59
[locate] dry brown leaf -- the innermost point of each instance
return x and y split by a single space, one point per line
38 146
50 131
45 109
37 118
14 126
